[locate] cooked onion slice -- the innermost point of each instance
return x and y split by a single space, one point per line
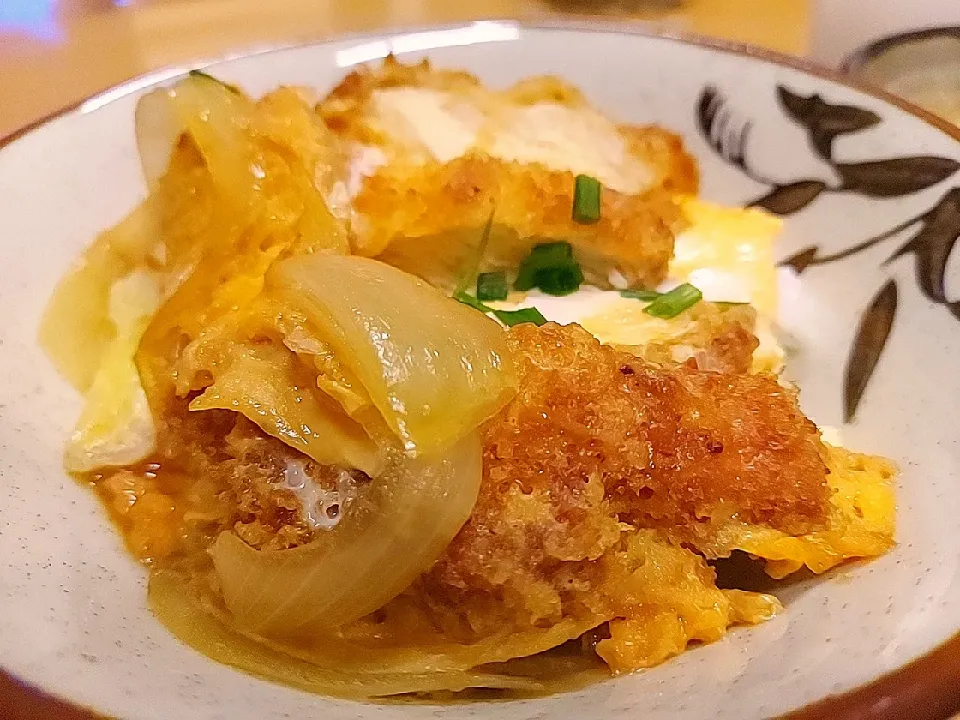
395 529
433 368
182 613
263 383
214 115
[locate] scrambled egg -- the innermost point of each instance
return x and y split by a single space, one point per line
726 252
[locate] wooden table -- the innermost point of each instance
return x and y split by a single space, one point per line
55 52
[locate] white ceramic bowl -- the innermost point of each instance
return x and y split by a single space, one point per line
843 165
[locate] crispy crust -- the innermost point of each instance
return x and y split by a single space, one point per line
413 204
344 111
428 221
675 448
598 443
675 168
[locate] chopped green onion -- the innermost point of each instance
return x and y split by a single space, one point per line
550 267
639 294
469 275
515 317
466 299
202 74
542 257
507 317
560 281
491 286
727 304
674 302
586 200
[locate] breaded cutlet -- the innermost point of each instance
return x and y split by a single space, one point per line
350 111
596 438
600 435
433 153
428 220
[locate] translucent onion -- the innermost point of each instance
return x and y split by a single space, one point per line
213 115
116 427
264 383
395 529
433 368
183 613
76 329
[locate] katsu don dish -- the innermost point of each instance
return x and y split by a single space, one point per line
424 389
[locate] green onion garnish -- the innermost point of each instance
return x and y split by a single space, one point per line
645 295
542 257
586 200
207 76
466 299
674 302
550 267
469 274
507 317
515 317
491 286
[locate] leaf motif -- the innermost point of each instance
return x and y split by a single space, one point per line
726 133
707 109
895 176
822 143
824 121
788 199
933 244
868 345
801 261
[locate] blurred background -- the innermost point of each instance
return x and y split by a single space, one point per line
56 52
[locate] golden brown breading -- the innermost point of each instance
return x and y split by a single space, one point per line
345 109
423 208
429 222
596 437
676 169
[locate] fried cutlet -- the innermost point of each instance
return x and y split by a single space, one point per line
433 153
596 439
428 220
607 480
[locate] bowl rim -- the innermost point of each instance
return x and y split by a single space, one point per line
923 689
865 54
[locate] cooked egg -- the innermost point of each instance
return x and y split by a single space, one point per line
726 252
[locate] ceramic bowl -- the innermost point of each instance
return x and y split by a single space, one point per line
870 282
